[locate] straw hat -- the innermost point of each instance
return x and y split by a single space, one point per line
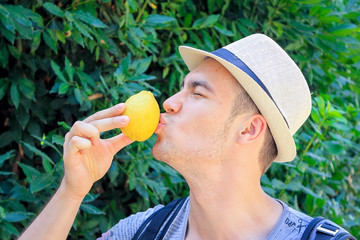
273 81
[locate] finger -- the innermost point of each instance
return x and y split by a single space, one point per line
77 144
111 123
118 142
107 113
83 129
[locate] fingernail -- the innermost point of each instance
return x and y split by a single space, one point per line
125 119
120 106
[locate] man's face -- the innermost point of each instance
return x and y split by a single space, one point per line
195 131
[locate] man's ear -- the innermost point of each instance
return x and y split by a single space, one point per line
253 128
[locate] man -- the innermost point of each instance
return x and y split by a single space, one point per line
235 114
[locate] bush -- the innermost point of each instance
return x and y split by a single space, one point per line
63 60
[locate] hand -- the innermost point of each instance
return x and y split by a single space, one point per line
87 157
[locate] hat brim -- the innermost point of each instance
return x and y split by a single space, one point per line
283 138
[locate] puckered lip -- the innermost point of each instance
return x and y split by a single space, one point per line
160 124
162 120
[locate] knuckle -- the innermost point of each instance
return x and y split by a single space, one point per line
96 116
77 124
74 140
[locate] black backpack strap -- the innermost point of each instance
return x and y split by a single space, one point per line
150 228
345 236
169 222
310 227
324 231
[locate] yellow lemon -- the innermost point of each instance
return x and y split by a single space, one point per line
144 114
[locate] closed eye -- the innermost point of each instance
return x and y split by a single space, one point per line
198 94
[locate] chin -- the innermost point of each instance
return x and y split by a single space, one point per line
155 149
162 151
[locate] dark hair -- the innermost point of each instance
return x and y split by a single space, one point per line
244 104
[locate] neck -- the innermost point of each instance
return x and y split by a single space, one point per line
230 206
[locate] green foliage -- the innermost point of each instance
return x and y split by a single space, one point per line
64 60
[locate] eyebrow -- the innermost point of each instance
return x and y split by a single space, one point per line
198 83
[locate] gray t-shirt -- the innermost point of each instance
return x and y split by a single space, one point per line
290 226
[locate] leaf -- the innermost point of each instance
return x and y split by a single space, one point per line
69 69
78 96
10 36
30 172
27 88
60 35
16 216
344 29
133 6
157 20
206 21
141 65
15 95
125 63
21 193
3 88
9 228
91 209
321 105
46 165
97 53
142 191
2 212
77 37
221 29
14 52
333 147
4 60
6 138
4 173
38 152
53 9
4 12
85 30
90 197
8 23
45 142
277 184
310 192
141 77
36 41
57 71
50 40
308 1
22 116
317 172
6 156
63 88
89 19
57 139
41 182
294 46
20 15
293 186
114 171
64 125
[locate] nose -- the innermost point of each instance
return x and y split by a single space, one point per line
172 104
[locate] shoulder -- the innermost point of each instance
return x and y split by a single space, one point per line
293 223
329 227
127 227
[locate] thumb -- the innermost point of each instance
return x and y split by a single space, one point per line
118 142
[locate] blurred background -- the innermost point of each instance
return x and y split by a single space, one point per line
61 61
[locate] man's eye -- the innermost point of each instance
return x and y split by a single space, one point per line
198 94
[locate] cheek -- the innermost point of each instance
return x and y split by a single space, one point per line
199 125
